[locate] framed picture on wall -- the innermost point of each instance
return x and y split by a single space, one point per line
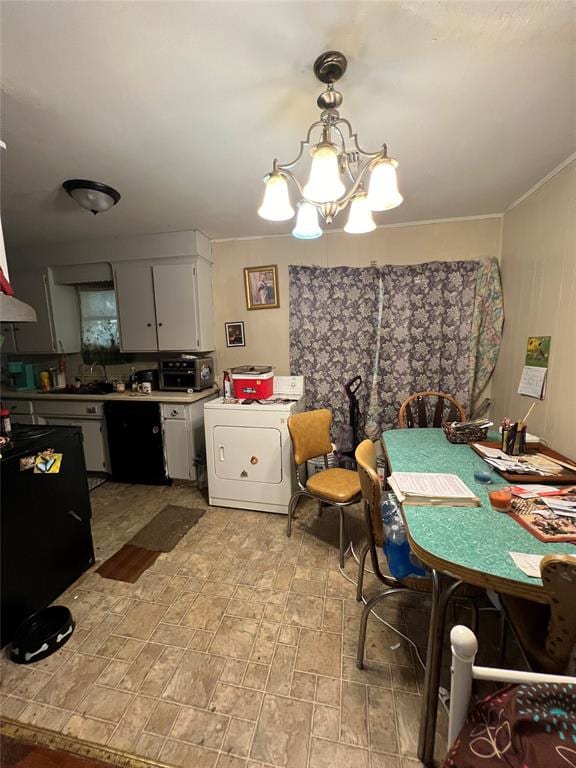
261 287
235 334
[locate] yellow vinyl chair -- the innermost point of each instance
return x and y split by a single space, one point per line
546 632
332 487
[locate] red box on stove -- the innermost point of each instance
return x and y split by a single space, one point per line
252 383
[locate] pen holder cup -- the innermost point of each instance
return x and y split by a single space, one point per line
514 442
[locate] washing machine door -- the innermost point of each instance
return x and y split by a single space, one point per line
253 454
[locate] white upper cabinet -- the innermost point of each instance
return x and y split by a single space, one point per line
136 312
176 306
165 306
57 328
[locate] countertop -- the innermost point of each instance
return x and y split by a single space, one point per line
156 396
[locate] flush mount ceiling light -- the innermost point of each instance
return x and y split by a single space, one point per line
92 195
339 172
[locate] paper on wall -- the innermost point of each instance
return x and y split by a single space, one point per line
533 381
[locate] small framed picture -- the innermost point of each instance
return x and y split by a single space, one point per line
235 334
261 287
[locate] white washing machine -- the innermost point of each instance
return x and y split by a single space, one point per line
249 451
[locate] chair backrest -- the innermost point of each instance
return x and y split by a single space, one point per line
310 433
416 410
559 577
366 463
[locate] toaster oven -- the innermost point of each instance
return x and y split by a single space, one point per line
184 375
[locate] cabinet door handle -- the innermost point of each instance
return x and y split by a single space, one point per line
149 325
159 324
221 450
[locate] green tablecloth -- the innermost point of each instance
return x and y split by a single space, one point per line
477 538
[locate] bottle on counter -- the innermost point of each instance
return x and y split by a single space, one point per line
5 423
44 378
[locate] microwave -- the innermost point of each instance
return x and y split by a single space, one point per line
181 375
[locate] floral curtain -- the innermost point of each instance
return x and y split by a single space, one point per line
487 325
333 328
403 329
423 337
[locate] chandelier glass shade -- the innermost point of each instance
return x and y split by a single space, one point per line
340 170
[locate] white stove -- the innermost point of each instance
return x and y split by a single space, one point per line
249 451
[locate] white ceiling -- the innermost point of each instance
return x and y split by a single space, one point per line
183 105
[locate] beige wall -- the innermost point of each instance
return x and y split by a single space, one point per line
267 329
538 264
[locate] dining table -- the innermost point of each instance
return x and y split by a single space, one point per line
469 545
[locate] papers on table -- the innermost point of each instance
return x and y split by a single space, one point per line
431 489
532 490
528 564
533 381
491 453
562 507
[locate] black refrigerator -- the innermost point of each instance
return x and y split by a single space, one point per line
46 540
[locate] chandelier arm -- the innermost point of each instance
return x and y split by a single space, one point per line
343 201
290 175
303 145
354 137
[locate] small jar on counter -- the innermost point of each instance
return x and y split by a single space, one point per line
44 378
5 423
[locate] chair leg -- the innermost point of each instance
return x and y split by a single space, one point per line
503 637
341 511
291 508
364 622
361 566
475 616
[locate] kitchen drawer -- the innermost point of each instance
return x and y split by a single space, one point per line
85 408
173 411
19 406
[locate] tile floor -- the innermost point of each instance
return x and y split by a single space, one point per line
235 650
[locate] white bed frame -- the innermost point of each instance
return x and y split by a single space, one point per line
464 649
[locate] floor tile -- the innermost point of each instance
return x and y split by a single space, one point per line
43 716
319 652
304 611
238 737
69 685
141 620
105 703
282 732
354 728
256 676
280 678
303 686
205 729
195 679
407 713
328 691
381 718
289 635
169 634
326 722
234 637
183 755
205 613
89 729
234 671
327 754
163 717
149 745
235 701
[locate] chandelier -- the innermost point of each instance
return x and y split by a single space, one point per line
342 174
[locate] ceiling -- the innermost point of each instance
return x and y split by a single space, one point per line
182 106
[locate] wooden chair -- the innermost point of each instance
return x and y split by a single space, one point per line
333 487
372 496
546 633
445 408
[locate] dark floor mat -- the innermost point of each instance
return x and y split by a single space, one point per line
128 564
166 528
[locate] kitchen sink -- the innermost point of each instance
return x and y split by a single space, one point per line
94 388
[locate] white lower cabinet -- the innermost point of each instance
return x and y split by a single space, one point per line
184 442
89 416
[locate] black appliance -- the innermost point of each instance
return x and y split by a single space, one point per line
46 541
188 374
150 375
135 442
